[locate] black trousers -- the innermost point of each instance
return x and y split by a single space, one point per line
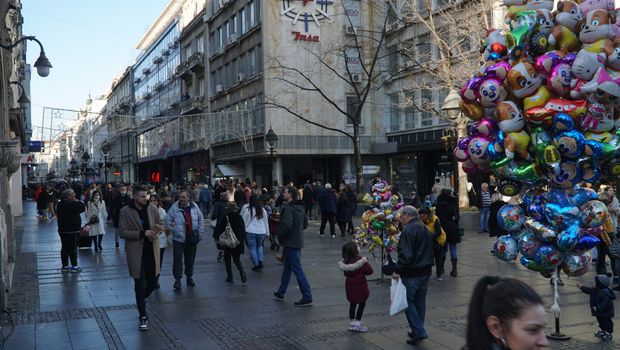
605 324
183 253
69 243
331 217
146 284
343 228
236 258
360 311
603 251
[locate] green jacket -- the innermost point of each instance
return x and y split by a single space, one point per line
293 221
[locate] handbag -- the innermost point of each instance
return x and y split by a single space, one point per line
228 238
461 232
93 219
85 230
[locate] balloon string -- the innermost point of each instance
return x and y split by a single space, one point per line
555 308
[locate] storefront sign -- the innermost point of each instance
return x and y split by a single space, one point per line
305 37
371 169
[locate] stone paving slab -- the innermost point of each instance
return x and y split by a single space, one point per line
95 308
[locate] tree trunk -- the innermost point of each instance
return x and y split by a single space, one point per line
461 131
357 154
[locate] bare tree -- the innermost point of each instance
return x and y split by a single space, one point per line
355 61
443 53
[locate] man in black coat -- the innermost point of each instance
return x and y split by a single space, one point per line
327 202
414 264
68 212
121 200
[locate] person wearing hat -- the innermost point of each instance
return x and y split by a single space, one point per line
601 304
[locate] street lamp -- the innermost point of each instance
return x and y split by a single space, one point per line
272 140
452 105
42 64
105 151
23 99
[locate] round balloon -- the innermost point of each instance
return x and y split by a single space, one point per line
593 213
505 248
528 244
535 266
576 265
510 217
537 211
534 195
548 256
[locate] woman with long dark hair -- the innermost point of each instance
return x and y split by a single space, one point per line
505 313
231 215
256 229
448 214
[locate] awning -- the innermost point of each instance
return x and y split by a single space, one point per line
228 171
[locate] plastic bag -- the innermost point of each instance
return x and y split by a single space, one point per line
398 297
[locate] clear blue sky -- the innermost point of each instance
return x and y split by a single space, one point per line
87 41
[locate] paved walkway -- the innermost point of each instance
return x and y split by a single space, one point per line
95 309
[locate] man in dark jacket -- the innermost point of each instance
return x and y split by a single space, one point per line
121 200
316 193
68 212
414 264
293 221
327 202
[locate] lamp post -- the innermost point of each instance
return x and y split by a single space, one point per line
42 64
451 105
85 160
23 99
271 139
105 151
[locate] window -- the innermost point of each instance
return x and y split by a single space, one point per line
227 80
410 111
259 58
441 3
242 15
252 14
234 24
200 44
241 64
220 37
392 59
423 5
227 28
423 48
394 113
252 58
352 105
426 96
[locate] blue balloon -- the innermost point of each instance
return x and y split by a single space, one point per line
561 216
534 195
586 242
511 217
563 122
495 150
537 211
593 149
583 195
558 196
528 244
505 248
548 256
570 144
568 239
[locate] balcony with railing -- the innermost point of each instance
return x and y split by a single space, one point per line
192 105
194 63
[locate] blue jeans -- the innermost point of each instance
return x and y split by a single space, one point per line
484 219
292 263
416 304
255 245
452 248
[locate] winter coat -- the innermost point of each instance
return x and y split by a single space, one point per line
237 225
99 211
447 212
327 201
355 284
494 229
343 209
205 196
252 223
415 250
219 209
308 197
131 230
117 204
68 216
293 222
601 299
42 200
352 199
175 221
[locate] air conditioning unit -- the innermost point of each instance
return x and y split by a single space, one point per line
356 78
240 77
219 88
349 30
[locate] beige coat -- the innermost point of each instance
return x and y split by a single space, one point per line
129 228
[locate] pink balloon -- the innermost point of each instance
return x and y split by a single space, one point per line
484 127
469 91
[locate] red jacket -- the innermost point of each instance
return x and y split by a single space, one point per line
356 285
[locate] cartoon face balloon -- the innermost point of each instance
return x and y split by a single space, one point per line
567 176
478 151
559 81
570 143
523 79
491 92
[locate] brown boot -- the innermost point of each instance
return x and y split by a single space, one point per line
453 273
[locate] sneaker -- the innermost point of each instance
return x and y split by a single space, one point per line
321 234
144 324
118 245
244 277
333 236
608 336
190 282
75 269
303 302
229 280
439 278
351 328
599 334
279 297
220 255
359 327
65 269
256 268
177 285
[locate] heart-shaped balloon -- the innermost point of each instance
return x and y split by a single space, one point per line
505 248
567 239
561 216
576 265
586 242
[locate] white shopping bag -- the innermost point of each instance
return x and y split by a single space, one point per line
398 297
